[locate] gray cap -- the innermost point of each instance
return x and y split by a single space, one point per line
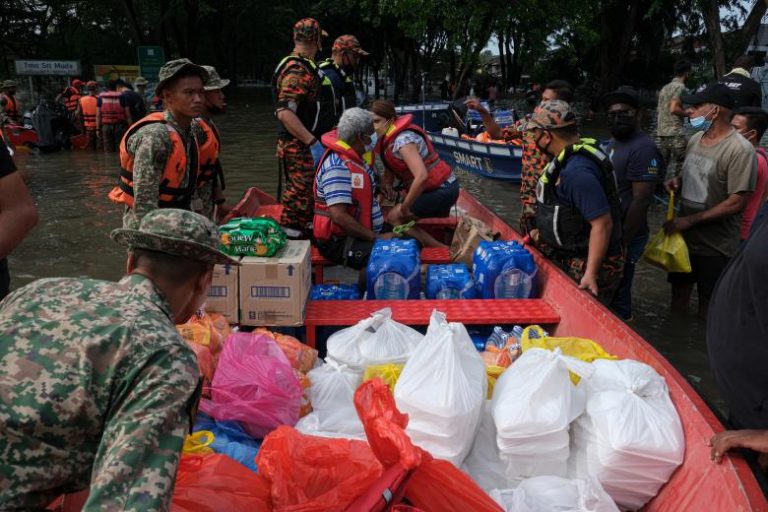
9 83
140 80
176 232
214 80
173 67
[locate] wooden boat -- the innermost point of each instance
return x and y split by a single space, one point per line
696 485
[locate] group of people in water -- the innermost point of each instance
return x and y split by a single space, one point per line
99 388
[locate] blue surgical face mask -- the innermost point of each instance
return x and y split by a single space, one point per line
374 139
701 122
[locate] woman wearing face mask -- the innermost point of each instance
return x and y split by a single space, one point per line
431 189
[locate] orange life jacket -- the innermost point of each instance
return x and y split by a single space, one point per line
88 107
111 110
172 194
11 107
71 102
361 208
437 170
210 167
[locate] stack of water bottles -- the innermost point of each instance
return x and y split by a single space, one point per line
450 282
503 270
340 291
394 270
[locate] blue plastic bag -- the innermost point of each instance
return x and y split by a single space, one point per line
335 292
450 282
230 440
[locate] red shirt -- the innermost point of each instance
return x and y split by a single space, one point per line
755 199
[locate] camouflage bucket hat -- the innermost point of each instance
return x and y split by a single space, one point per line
214 80
307 29
176 232
348 43
140 80
9 83
173 67
551 115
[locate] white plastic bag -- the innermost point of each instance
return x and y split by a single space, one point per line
483 463
534 402
630 436
442 389
376 340
332 396
555 494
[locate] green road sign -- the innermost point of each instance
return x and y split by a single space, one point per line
151 59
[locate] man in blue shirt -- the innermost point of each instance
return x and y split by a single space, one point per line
578 215
638 166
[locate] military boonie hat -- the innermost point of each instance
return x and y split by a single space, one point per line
348 43
140 80
9 83
214 80
307 29
176 232
173 67
551 115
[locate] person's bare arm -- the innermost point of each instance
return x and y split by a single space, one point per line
642 196
599 237
412 158
18 213
491 126
676 107
722 442
340 215
733 205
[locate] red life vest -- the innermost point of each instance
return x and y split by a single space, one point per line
11 107
210 167
437 170
361 208
111 110
172 194
88 108
71 101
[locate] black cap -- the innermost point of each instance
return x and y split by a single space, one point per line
623 94
715 93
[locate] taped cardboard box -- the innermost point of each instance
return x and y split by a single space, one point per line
223 295
467 237
274 291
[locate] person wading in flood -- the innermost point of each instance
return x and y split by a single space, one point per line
158 146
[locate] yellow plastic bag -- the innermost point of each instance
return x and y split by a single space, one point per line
580 348
199 442
668 252
493 373
389 373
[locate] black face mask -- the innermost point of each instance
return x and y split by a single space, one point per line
621 125
538 145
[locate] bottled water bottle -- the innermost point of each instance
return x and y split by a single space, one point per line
508 284
391 285
448 293
498 338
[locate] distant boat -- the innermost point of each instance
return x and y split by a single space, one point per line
433 117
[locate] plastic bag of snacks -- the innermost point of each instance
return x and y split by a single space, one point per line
301 356
261 236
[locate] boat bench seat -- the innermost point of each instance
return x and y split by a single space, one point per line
417 312
274 211
429 255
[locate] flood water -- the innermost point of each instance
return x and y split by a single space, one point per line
72 238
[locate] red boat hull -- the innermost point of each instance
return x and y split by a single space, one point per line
698 484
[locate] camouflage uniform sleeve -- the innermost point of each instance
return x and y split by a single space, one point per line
294 86
149 416
150 147
513 132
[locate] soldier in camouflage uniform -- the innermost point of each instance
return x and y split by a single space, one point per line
97 385
296 87
148 144
670 134
533 160
578 212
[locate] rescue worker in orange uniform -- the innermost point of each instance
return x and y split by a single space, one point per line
86 113
159 155
71 96
9 103
110 117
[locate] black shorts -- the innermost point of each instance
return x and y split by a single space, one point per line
438 202
705 271
350 251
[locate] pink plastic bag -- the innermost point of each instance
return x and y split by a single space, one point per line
255 385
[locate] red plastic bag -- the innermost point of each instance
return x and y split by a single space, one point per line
434 485
308 473
255 385
214 482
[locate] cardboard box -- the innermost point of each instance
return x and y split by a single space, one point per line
223 295
467 237
274 291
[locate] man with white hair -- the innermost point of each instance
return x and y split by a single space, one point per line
347 218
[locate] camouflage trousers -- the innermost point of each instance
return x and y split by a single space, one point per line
298 168
608 278
672 149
